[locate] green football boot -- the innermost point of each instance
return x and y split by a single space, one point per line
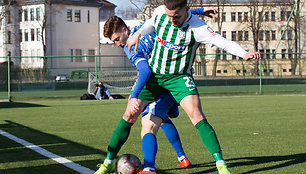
222 168
105 168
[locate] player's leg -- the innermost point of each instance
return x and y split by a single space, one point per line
173 137
150 125
119 137
166 106
192 106
184 90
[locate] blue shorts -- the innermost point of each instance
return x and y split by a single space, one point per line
164 106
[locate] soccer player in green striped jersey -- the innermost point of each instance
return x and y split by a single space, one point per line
178 34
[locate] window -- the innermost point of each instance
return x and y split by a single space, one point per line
20 35
290 53
77 15
238 71
246 35
71 54
224 57
233 35
37 14
88 16
78 52
223 16
69 15
9 37
283 53
267 16
32 34
289 34
260 35
8 13
218 54
246 16
91 59
239 16
273 55
240 35
224 34
32 14
267 35
273 35
268 54
25 13
19 15
218 71
283 17
260 15
225 71
38 34
273 16
288 14
233 16
284 35
26 35
234 57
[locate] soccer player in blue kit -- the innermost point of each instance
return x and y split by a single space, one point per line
165 105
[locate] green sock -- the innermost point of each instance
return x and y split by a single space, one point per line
208 136
118 138
218 156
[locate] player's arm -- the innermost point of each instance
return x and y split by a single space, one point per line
146 28
209 12
206 35
144 73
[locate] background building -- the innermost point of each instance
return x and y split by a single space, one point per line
52 28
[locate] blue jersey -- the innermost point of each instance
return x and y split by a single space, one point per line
145 47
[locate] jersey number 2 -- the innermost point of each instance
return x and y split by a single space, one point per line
189 82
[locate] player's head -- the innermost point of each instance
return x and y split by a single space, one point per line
116 30
177 11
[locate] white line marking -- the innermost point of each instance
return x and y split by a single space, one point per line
44 152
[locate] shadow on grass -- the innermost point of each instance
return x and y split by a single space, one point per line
19 105
284 160
16 158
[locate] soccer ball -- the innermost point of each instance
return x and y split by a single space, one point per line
128 164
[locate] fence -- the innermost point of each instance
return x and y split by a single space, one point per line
21 75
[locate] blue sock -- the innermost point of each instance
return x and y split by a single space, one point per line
149 150
173 137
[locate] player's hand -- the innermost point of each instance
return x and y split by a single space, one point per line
133 40
249 56
134 105
211 12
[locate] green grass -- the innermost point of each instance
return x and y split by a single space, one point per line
207 90
258 134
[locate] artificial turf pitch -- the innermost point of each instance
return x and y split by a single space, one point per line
258 134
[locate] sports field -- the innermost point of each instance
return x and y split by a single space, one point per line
258 134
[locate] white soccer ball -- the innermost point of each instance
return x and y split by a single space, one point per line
128 164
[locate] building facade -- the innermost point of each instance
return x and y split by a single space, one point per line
259 26
52 28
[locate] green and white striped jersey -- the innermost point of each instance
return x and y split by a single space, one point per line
175 47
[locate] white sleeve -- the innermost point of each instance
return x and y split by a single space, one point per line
148 26
206 35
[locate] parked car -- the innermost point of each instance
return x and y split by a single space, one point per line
61 78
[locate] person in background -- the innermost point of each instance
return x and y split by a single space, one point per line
101 92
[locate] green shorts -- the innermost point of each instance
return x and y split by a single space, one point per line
179 86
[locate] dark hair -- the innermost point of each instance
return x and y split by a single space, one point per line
174 4
113 25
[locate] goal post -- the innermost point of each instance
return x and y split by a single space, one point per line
117 82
